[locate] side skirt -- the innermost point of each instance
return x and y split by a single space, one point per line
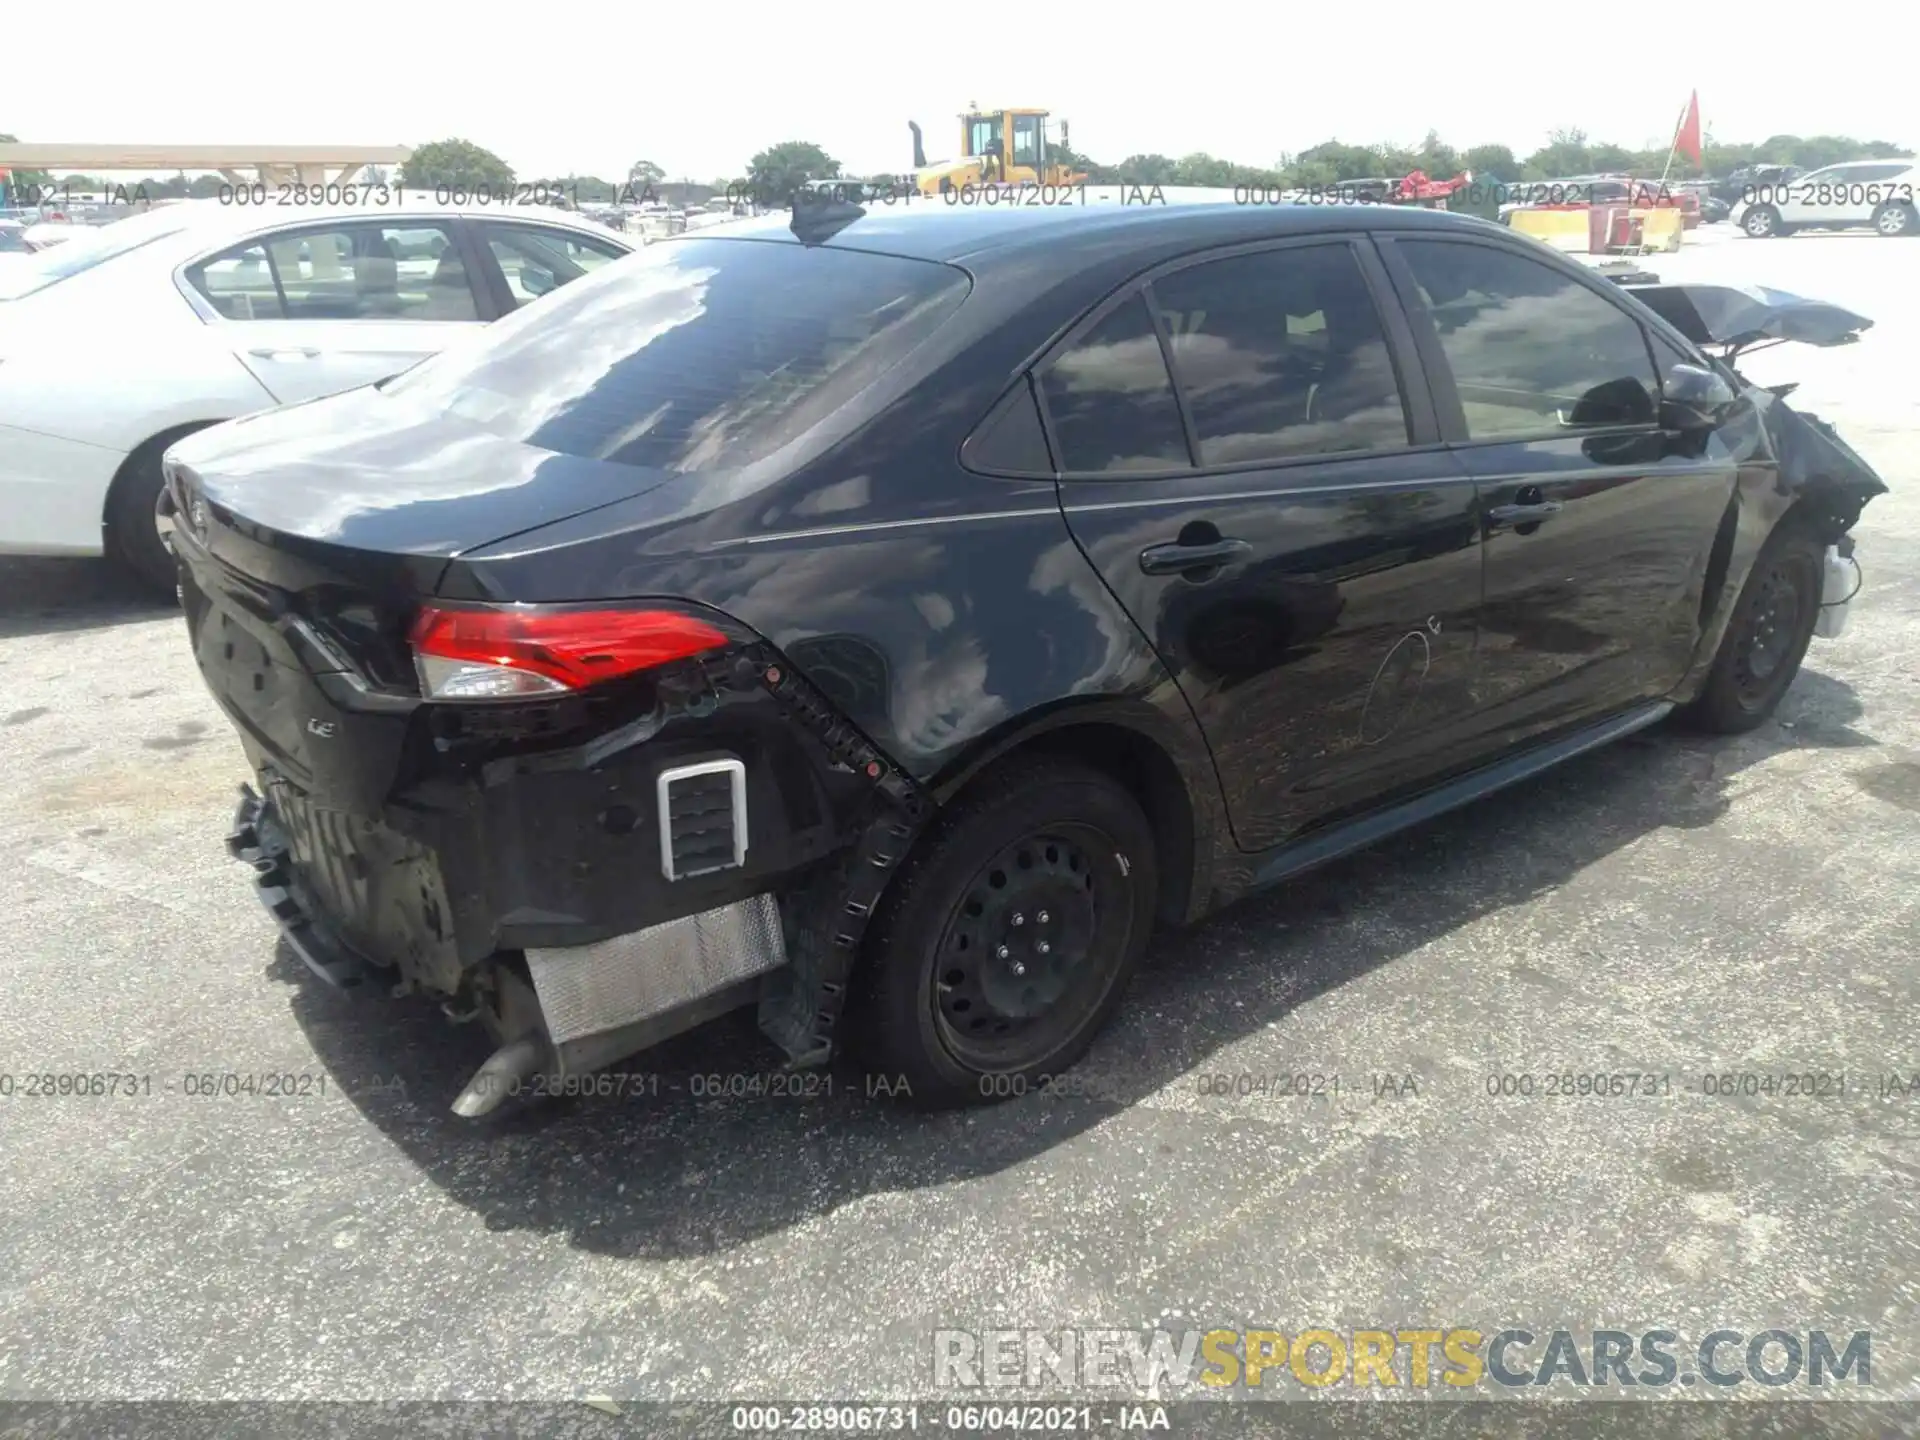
1286 861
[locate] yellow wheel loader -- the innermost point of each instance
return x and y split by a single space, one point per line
997 147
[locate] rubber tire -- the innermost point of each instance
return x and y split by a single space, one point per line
1907 230
1772 233
132 536
893 1030
1719 708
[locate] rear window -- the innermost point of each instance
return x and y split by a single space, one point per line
97 246
694 354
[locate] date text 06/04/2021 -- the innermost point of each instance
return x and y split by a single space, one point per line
112 1085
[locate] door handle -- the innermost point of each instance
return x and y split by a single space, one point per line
286 352
1539 510
1178 559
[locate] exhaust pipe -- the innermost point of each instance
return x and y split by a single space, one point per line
501 1077
919 150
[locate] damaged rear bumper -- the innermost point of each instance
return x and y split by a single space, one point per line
402 898
256 840
559 1011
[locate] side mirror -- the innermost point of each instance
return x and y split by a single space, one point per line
1695 398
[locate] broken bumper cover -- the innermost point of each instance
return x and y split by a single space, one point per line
594 1004
596 899
256 840
584 990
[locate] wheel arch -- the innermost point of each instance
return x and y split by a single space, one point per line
153 446
1824 507
1168 773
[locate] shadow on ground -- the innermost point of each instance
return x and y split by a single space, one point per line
672 1169
47 597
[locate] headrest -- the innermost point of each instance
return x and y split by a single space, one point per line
376 274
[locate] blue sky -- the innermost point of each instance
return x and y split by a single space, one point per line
590 87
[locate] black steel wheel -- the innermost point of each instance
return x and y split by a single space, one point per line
1018 947
1008 937
1767 638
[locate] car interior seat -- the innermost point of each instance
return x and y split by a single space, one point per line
1358 379
376 278
448 295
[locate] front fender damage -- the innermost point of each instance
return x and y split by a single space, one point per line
1817 468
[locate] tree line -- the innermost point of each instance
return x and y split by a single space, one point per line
780 169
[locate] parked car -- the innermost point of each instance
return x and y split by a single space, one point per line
884 619
1877 194
49 233
115 345
1712 208
1737 182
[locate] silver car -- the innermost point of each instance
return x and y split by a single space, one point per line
1861 194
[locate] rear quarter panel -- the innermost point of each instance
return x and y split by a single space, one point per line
114 356
948 614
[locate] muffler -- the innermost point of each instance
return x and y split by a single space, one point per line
502 1076
594 1005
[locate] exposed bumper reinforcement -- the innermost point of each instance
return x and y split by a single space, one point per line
586 991
255 840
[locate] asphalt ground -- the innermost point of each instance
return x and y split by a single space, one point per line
1672 906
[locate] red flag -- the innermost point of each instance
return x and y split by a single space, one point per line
1687 139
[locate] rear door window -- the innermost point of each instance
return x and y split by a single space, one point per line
1111 401
1280 354
240 284
536 259
692 354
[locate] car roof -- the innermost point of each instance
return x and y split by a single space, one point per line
213 216
953 233
209 221
196 225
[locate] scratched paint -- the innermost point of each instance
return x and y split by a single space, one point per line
1397 685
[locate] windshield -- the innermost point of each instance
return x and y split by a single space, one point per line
692 354
90 246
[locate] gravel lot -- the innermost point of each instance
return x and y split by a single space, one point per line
1671 904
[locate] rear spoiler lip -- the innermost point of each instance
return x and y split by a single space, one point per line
1739 316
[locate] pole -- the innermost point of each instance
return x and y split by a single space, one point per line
1673 149
1673 145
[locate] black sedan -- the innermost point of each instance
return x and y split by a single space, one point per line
886 618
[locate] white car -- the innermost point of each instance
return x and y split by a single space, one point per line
114 347
1882 194
54 232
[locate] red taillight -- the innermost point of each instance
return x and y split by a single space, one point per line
514 652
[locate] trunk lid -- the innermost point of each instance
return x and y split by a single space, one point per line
367 474
311 534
